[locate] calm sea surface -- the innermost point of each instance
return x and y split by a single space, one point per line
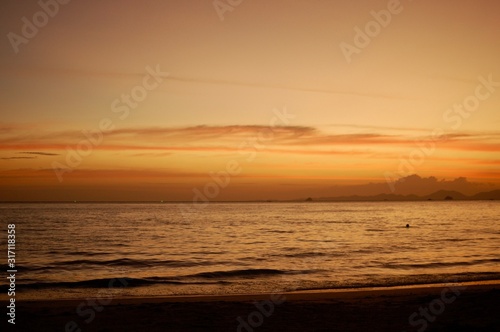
76 250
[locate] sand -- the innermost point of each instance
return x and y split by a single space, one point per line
457 307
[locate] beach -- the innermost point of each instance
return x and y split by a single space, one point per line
443 307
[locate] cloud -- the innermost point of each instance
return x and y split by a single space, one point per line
413 184
15 158
204 131
285 87
370 127
152 154
99 174
30 72
59 72
40 153
181 134
33 155
233 138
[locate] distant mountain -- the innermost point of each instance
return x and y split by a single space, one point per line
440 195
493 195
445 195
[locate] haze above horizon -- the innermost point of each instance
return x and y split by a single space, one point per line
256 101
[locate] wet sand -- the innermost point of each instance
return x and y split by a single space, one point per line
450 307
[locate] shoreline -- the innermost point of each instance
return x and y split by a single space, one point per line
297 295
466 306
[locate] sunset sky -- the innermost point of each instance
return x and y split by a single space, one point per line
161 100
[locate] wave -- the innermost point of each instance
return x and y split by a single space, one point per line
307 254
235 278
123 262
237 273
375 230
203 278
413 280
440 264
110 283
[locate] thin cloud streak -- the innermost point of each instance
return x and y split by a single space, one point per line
282 139
17 158
40 153
74 73
283 87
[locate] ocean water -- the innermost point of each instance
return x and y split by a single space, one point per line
80 250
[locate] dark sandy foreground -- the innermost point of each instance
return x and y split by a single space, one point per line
434 308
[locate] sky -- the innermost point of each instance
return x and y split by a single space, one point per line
246 100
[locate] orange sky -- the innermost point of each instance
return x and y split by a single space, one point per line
161 100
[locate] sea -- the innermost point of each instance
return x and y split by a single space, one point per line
82 250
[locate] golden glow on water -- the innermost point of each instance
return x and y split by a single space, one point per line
259 247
